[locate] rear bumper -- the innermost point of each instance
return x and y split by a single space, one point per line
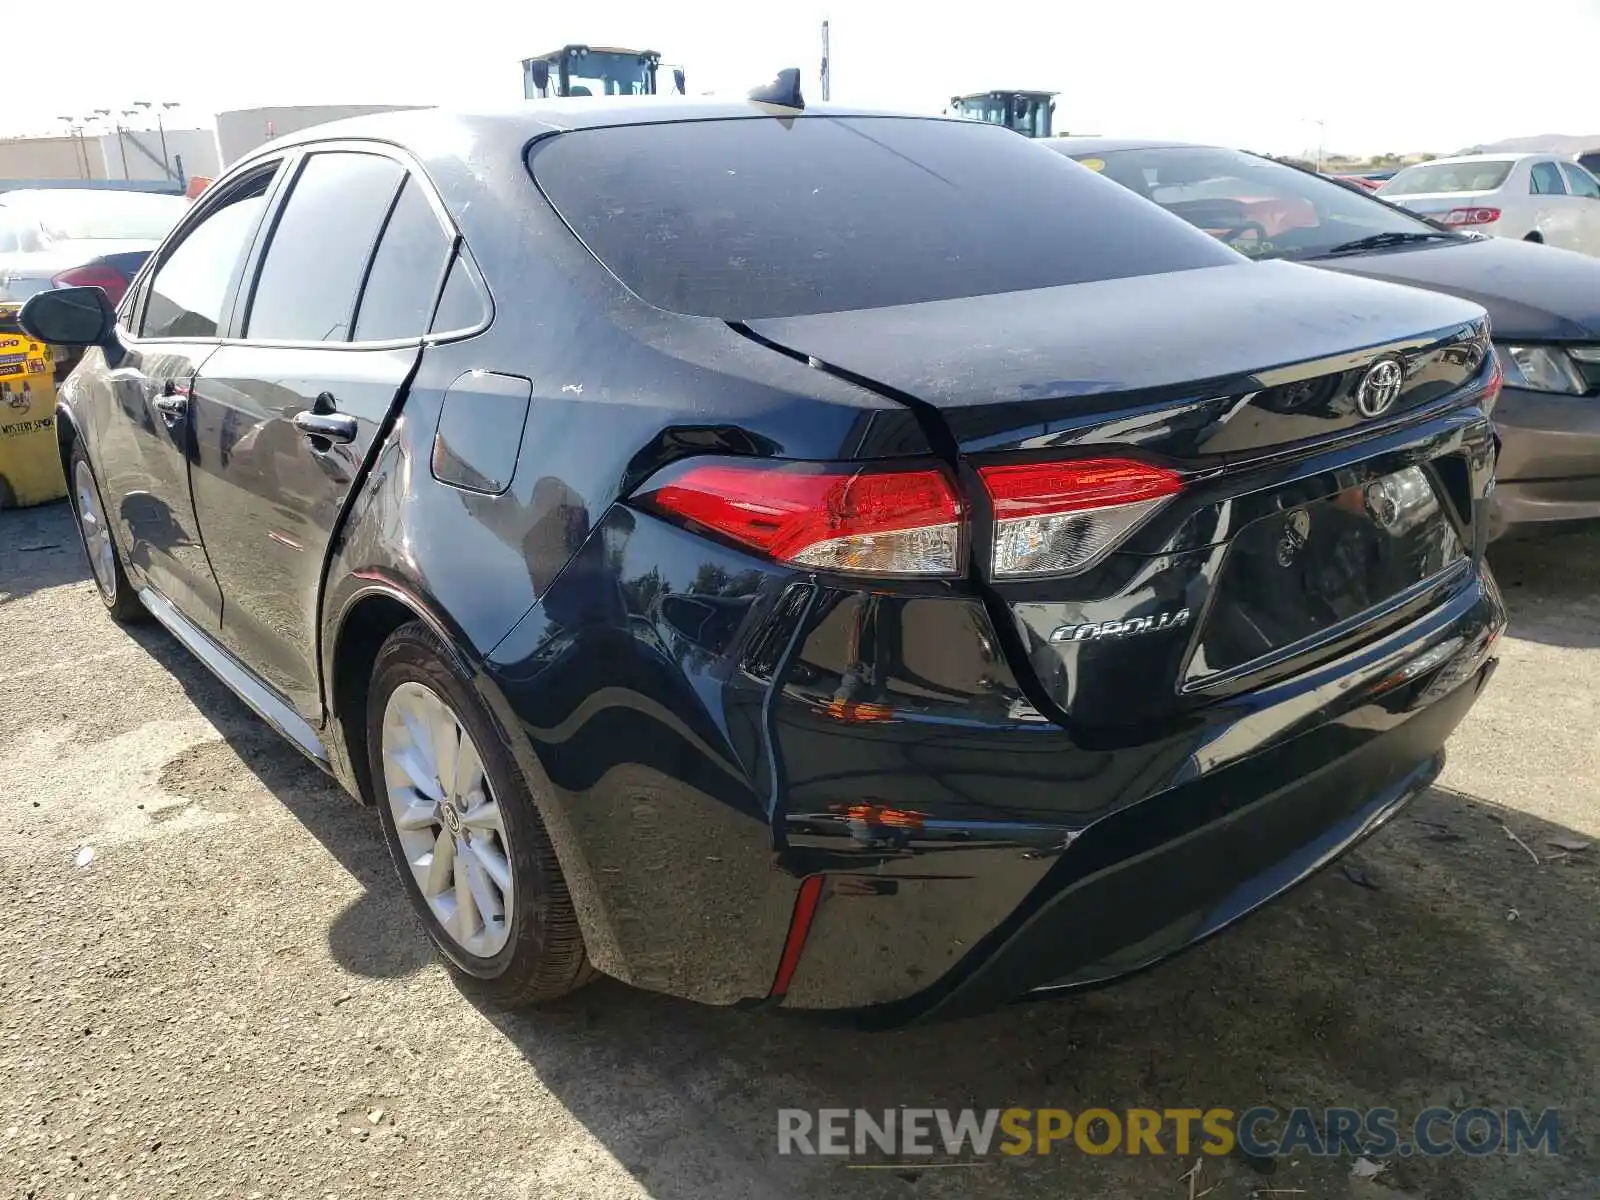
1153 847
1139 911
1548 472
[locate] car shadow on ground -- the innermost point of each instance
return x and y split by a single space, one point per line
1552 587
1445 962
375 936
1438 965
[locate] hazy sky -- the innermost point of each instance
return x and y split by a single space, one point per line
1381 74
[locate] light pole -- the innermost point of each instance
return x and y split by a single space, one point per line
827 65
75 131
130 112
122 148
161 126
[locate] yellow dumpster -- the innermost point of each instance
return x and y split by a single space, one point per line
30 464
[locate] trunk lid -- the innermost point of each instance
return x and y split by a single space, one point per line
1222 360
1431 204
1315 515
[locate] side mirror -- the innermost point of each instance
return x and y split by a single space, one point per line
678 82
539 72
74 316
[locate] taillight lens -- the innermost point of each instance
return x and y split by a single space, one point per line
107 279
1470 216
1060 518
853 517
1054 518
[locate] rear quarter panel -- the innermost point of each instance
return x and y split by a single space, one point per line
643 752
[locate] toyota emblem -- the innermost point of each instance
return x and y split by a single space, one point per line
1379 388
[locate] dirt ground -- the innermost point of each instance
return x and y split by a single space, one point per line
232 999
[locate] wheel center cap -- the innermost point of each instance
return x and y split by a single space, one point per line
451 818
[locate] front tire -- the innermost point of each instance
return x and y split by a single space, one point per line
465 835
99 542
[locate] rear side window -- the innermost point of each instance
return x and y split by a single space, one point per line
1580 181
1547 180
743 219
306 289
191 285
462 306
397 300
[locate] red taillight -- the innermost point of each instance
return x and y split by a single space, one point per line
107 279
1497 379
1063 517
833 516
1470 216
1052 518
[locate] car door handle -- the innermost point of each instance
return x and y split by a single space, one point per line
172 404
330 427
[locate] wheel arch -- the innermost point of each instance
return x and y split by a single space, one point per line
67 434
365 620
379 605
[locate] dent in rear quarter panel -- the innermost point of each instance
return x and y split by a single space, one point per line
627 687
615 681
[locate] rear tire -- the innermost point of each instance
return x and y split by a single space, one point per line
1535 237
460 823
100 541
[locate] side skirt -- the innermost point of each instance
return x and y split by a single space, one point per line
240 680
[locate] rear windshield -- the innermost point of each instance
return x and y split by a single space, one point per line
1483 176
764 217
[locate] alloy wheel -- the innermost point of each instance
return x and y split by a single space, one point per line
448 821
96 535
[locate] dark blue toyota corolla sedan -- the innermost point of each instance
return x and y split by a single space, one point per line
734 552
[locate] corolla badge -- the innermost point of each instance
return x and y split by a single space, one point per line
1096 630
1379 388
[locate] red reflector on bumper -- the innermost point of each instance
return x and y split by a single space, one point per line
805 907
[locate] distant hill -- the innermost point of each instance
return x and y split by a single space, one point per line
1542 143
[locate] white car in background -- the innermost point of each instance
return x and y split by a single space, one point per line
1535 197
71 237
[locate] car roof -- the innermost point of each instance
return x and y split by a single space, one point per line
530 118
46 195
1511 156
475 160
50 204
